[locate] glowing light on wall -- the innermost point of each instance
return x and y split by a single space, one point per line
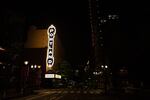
58 76
39 66
51 31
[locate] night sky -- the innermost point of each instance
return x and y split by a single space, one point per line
71 18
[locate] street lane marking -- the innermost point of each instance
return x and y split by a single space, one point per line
78 92
65 92
85 92
91 92
71 91
97 92
59 92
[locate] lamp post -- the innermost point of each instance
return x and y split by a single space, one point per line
24 76
106 77
27 68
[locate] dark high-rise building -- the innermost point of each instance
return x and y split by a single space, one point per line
104 21
97 35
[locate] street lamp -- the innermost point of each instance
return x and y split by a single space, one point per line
102 66
24 76
26 62
35 66
31 66
106 66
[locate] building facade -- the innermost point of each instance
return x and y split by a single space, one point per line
104 22
35 52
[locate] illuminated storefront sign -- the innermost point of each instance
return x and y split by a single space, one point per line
49 75
58 76
51 31
53 76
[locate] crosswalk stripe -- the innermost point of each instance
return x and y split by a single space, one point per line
97 92
71 91
78 92
65 92
85 92
91 92
75 91
53 91
59 91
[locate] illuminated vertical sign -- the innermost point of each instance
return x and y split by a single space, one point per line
51 31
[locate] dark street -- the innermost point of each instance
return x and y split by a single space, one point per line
80 94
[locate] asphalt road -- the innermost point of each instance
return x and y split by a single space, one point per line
78 94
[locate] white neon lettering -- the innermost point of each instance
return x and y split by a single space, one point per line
50 49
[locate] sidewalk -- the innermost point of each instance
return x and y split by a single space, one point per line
12 93
40 93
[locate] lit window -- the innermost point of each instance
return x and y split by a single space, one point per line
104 21
109 16
94 73
101 37
113 17
3 67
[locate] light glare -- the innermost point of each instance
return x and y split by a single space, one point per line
106 66
58 76
31 66
26 62
39 66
